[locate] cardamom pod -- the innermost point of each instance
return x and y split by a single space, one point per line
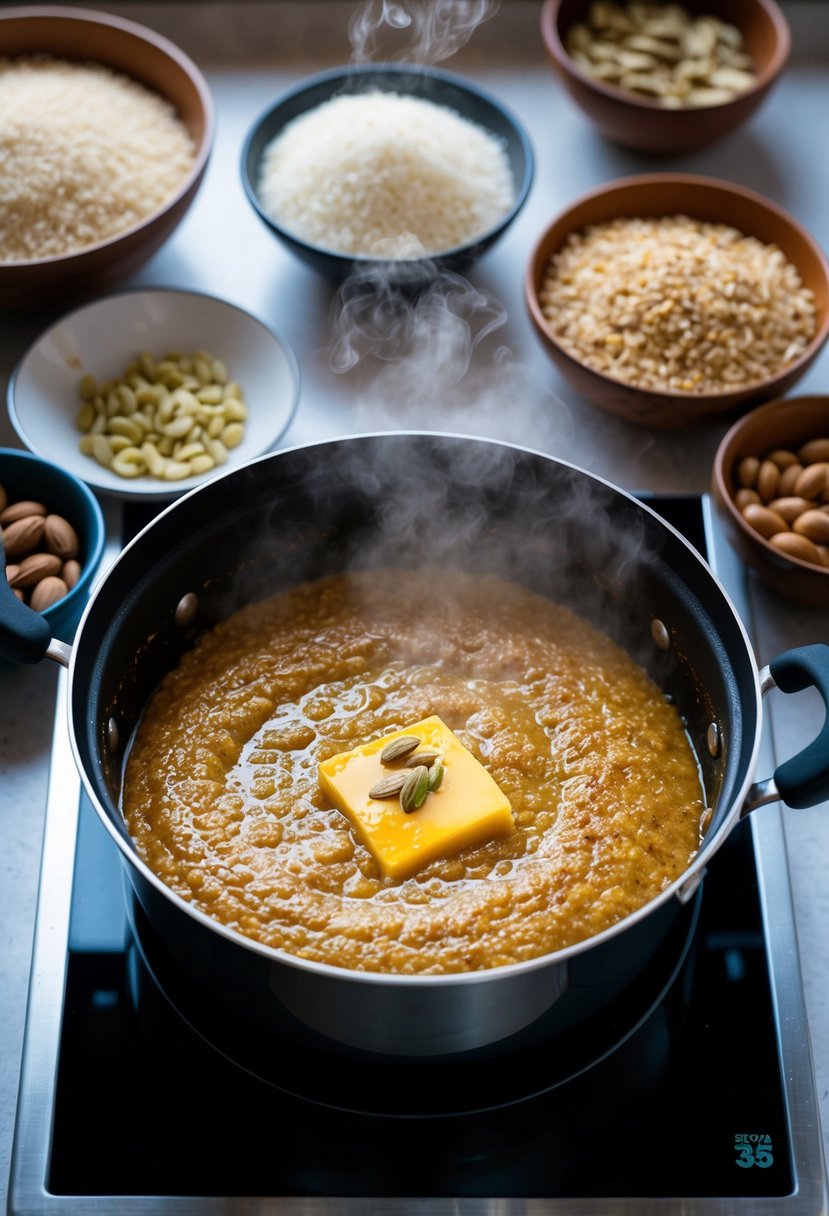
398 748
388 787
435 777
415 788
425 757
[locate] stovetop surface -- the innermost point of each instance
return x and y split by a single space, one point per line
692 1092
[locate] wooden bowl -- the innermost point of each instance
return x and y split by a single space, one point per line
784 424
705 199
135 51
632 120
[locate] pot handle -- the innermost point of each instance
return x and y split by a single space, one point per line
803 780
24 634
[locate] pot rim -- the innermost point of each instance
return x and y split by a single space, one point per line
681 888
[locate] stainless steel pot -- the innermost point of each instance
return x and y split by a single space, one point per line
482 505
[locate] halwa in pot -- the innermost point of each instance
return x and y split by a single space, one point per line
222 797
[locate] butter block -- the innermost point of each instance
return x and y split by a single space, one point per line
467 809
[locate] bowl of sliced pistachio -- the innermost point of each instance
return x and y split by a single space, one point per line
666 78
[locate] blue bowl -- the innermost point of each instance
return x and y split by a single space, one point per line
25 476
429 84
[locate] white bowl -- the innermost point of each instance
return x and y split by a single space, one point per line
103 337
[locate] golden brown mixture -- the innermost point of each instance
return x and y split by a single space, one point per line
222 797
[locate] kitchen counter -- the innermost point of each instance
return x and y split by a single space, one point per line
249 52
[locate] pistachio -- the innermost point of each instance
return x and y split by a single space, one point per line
435 777
415 788
388 787
398 748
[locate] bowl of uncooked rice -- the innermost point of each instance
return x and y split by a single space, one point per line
386 163
105 131
667 299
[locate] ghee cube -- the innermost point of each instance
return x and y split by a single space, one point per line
467 809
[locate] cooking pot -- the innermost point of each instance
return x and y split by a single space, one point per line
407 498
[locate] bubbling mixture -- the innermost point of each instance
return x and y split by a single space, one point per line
222 798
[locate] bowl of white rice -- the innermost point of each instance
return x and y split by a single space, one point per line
387 164
106 128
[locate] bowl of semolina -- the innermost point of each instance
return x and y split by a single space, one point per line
106 129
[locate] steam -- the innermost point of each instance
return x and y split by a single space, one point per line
429 31
424 348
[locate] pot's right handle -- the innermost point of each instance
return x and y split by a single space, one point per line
24 634
803 780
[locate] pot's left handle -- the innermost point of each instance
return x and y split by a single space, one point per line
803 780
25 636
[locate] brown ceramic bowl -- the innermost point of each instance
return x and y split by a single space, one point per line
635 122
781 425
705 199
156 63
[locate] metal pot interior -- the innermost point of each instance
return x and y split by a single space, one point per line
416 500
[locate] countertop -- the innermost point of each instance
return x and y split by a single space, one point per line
250 52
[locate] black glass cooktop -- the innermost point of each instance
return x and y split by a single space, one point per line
677 1093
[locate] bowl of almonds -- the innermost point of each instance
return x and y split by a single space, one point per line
770 485
666 78
53 538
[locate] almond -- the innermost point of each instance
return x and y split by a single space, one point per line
814 450
19 510
71 572
795 545
22 536
60 537
790 507
47 592
814 525
40 565
812 481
